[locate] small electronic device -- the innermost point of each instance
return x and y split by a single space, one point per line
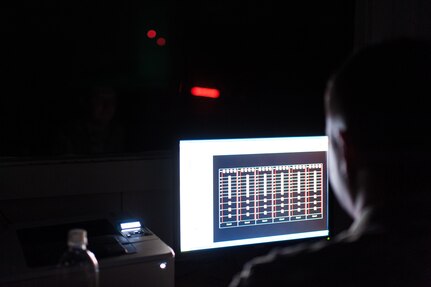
133 229
246 191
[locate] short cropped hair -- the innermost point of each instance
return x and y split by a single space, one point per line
382 93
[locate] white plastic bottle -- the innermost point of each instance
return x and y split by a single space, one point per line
78 266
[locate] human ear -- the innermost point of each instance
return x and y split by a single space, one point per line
349 154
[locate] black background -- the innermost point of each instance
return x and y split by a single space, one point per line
270 61
261 230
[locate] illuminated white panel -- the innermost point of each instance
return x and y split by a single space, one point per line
197 184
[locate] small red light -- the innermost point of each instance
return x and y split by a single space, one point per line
161 41
151 34
205 92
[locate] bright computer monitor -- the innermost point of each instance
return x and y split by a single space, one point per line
252 190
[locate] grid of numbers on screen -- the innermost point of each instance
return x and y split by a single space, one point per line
270 194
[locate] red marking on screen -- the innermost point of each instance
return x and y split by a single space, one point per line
205 92
151 34
161 41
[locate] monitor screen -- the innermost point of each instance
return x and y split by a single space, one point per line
252 190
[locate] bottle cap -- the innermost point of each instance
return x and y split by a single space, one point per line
77 237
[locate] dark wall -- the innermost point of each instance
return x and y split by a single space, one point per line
58 50
386 19
270 62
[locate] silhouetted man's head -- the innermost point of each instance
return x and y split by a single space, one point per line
377 114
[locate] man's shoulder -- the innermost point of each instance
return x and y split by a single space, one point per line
312 264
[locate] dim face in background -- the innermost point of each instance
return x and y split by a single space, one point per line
103 104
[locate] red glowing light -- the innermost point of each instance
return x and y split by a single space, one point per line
151 34
161 41
205 92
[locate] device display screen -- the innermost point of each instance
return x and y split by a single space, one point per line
247 191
